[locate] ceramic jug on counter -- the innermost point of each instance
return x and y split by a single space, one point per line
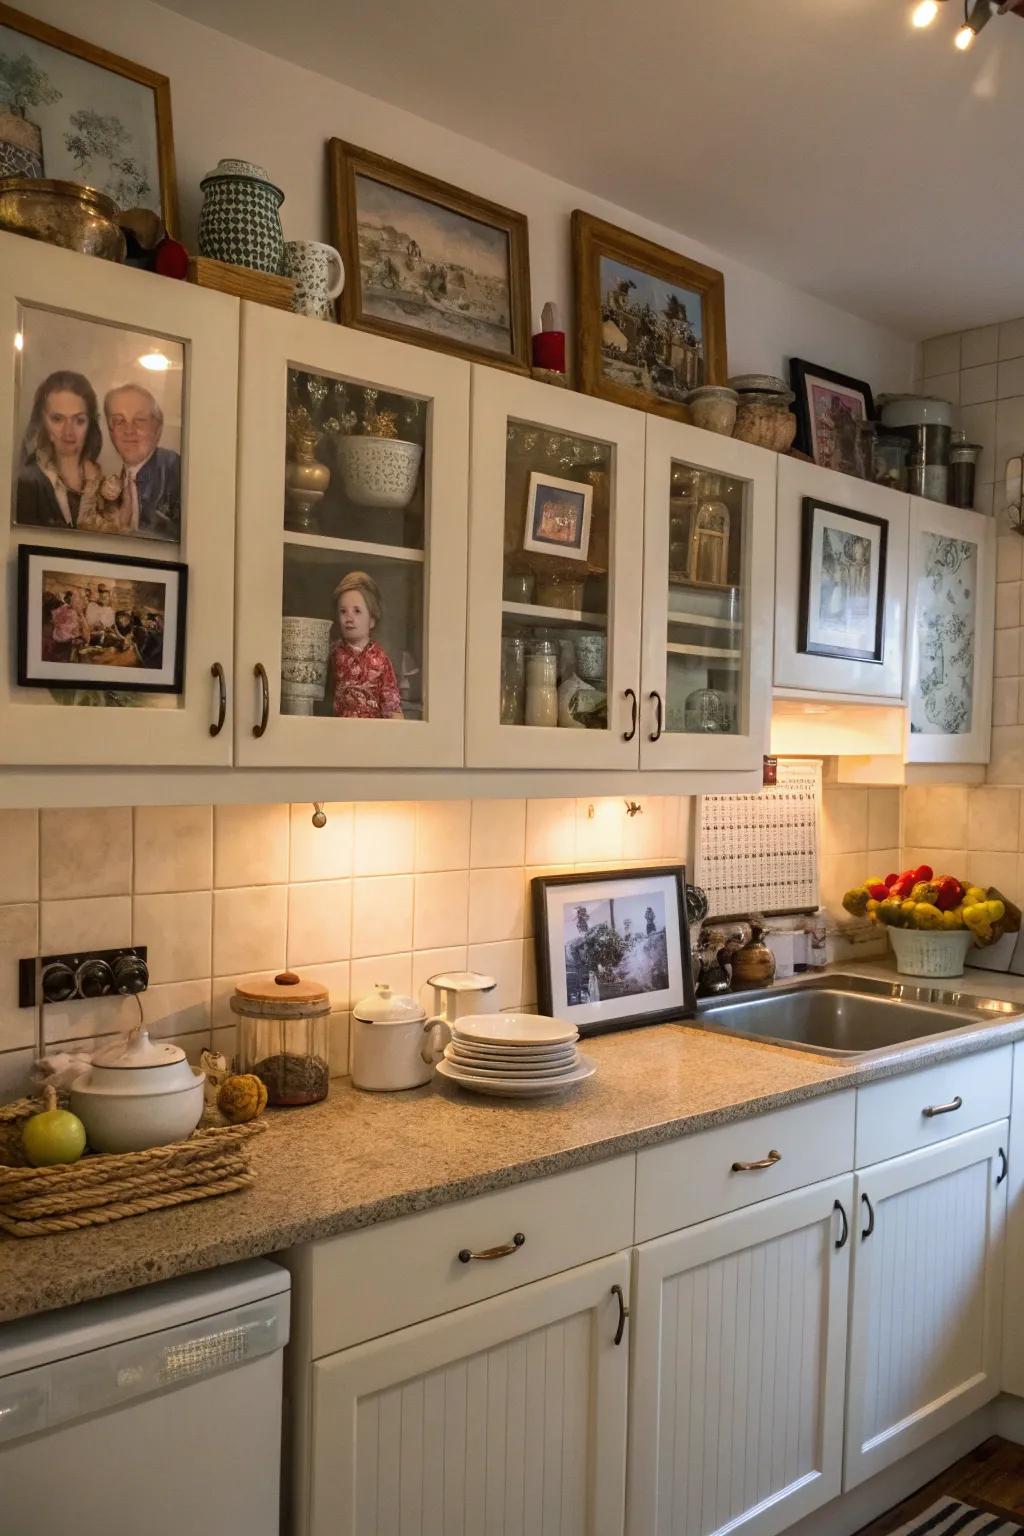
460 993
394 1044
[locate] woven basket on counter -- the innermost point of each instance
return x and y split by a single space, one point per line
105 1187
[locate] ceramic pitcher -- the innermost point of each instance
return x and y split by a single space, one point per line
319 275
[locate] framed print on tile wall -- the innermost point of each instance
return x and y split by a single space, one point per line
650 324
829 406
842 582
429 263
73 112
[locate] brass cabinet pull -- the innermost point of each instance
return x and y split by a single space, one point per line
764 1162
466 1255
259 671
623 1313
932 1110
1004 1166
867 1231
217 726
844 1235
631 696
656 733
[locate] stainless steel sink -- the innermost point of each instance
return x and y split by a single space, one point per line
840 1015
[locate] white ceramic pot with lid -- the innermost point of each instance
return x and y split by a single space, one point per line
138 1093
394 1044
460 993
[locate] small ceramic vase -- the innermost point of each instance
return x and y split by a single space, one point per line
305 480
240 220
319 275
305 653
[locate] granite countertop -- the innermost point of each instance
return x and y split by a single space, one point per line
360 1158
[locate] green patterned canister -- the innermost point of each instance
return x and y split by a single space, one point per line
240 220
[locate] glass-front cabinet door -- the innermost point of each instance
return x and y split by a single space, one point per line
708 600
353 455
556 540
118 397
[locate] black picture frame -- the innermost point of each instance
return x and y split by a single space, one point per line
542 884
82 677
799 371
810 505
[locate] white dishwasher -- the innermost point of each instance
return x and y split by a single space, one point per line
157 1411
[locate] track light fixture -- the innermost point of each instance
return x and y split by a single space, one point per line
924 13
975 18
977 15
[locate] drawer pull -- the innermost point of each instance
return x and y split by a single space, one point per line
943 1109
466 1255
843 1237
623 1313
1004 1166
764 1162
867 1231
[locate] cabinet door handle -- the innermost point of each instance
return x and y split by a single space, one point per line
217 726
764 1162
867 1231
931 1110
656 733
631 696
1004 1166
466 1255
259 671
845 1234
623 1313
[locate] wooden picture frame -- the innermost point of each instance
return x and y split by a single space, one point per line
593 240
656 891
409 270
804 377
160 85
808 635
145 673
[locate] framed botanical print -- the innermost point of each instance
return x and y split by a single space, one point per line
829 408
73 112
429 263
99 621
613 947
842 582
650 324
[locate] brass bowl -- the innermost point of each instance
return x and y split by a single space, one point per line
62 213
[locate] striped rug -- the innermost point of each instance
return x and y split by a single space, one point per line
948 1517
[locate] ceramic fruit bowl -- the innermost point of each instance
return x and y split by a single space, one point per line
379 471
137 1094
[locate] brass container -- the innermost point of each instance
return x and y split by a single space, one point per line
62 213
754 964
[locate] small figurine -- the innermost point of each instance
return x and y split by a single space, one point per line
365 685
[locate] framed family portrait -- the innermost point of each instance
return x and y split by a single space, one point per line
73 112
829 408
100 621
650 324
429 263
558 516
842 582
98 427
613 947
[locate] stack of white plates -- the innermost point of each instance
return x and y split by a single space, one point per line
518 1055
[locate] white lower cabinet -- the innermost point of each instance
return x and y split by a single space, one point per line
506 1416
739 1347
927 1296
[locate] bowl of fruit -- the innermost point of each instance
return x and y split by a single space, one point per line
933 920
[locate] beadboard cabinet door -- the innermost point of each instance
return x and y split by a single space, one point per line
739 1349
509 1415
925 1316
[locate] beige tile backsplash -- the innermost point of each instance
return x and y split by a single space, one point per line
384 892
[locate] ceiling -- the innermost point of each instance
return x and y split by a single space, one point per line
823 141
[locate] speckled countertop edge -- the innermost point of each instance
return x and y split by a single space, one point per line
361 1159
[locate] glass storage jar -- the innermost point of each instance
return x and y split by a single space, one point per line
542 684
283 1037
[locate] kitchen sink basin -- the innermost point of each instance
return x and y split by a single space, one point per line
841 1015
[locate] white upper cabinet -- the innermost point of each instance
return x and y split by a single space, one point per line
118 457
351 594
555 578
950 633
709 539
840 583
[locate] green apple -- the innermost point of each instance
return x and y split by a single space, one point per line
55 1136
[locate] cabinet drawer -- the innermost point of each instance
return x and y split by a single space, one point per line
368 1283
892 1116
693 1179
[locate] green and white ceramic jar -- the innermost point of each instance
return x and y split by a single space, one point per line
240 220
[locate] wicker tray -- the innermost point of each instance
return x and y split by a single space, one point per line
105 1187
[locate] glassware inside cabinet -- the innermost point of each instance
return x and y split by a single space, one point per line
355 551
705 640
555 578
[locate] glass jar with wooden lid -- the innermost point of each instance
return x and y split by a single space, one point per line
283 1037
